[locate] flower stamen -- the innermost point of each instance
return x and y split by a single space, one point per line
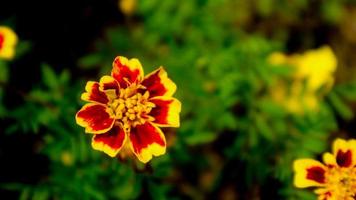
341 182
130 107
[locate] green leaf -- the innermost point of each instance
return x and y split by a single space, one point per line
122 189
22 48
347 90
340 107
93 192
40 95
200 138
306 195
4 72
314 145
49 77
265 7
226 120
264 128
158 191
90 61
25 194
271 108
332 11
40 193
64 77
281 70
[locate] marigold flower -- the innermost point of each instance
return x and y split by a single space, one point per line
125 110
8 41
336 178
313 71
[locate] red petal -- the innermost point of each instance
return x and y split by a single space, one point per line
110 142
158 83
1 40
344 159
316 174
166 111
344 152
147 140
127 71
96 118
93 93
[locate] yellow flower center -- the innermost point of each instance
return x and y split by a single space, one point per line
130 107
342 182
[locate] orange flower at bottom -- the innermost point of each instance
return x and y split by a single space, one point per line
125 110
8 41
336 178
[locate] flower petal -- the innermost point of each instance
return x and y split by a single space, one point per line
325 194
109 83
158 83
147 140
110 86
345 152
96 118
10 37
127 71
329 159
308 172
110 142
94 94
166 111
8 41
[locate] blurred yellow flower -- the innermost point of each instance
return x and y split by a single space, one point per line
312 77
8 41
314 66
335 179
127 6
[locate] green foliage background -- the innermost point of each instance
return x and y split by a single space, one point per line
234 142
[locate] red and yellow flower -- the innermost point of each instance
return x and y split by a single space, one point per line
336 178
8 41
126 109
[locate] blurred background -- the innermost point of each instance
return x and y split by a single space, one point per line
261 82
